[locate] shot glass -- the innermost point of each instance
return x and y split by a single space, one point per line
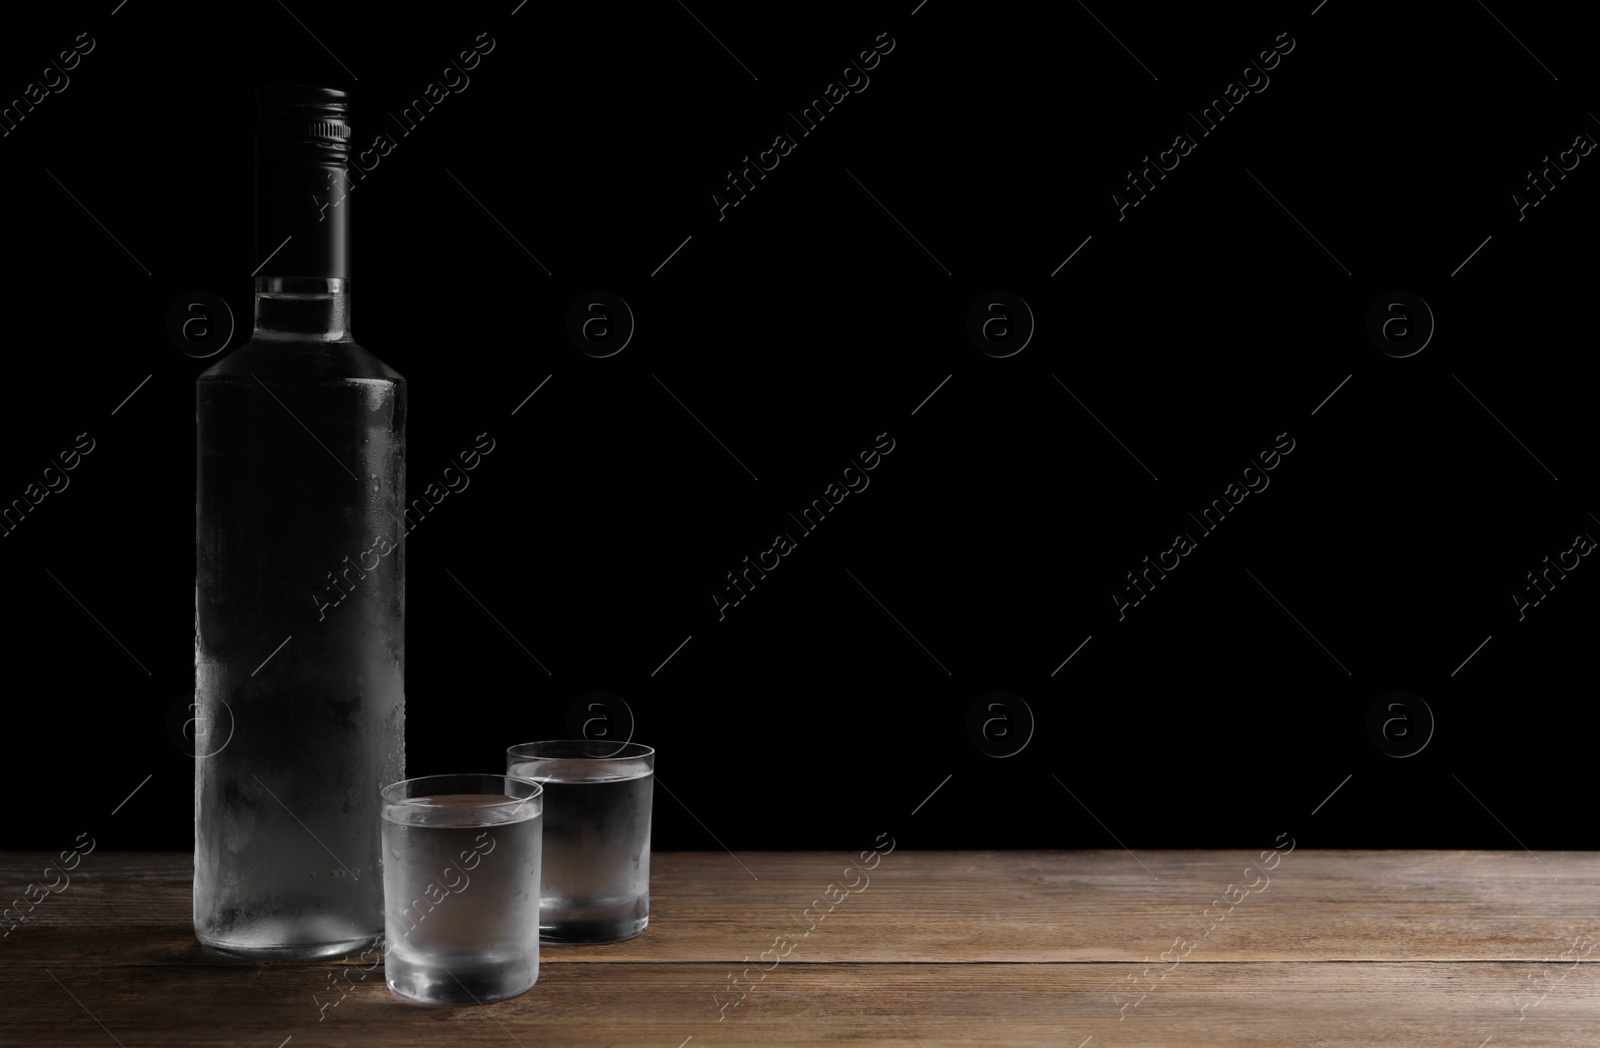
461 887
595 882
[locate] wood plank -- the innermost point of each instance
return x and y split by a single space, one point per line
938 949
1240 1005
956 906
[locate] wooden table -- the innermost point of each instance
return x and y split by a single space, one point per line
1060 948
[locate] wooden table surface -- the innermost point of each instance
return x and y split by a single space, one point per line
1054 948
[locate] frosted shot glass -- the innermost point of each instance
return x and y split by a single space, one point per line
595 880
461 887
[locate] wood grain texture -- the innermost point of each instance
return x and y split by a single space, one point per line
939 948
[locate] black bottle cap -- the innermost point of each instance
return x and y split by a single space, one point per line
303 187
302 122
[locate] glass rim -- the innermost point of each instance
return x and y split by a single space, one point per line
389 796
628 750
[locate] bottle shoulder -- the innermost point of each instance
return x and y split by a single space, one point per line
300 359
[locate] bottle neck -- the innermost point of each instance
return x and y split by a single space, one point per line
303 240
303 309
302 215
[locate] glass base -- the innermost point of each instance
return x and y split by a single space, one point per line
592 931
310 951
459 983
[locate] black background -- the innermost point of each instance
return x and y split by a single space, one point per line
828 705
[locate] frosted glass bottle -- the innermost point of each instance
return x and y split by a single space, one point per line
300 578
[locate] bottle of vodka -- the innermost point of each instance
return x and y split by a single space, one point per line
300 576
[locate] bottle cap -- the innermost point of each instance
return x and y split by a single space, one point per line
302 122
302 181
